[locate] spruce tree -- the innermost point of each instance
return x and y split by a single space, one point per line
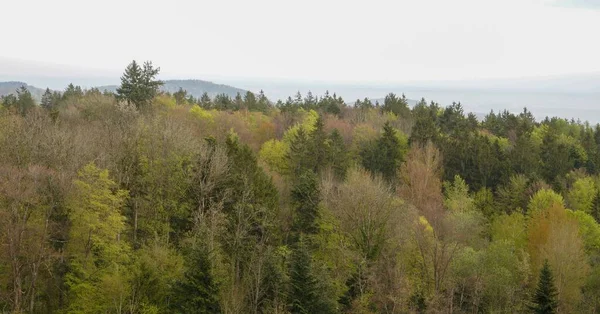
180 96
318 146
396 105
307 294
72 91
205 101
47 100
25 101
250 102
385 155
338 157
262 102
238 101
139 84
544 300
306 197
198 291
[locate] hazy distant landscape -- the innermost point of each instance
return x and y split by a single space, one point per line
572 97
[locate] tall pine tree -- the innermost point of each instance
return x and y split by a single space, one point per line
139 84
544 300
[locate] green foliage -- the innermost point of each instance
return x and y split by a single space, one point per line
306 198
396 105
544 199
97 275
197 291
385 155
337 154
139 84
203 228
512 196
581 196
21 103
307 293
544 300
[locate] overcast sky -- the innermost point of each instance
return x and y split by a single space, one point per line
326 40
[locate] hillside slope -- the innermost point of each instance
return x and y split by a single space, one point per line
194 87
7 88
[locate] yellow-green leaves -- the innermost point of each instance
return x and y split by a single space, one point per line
581 195
97 277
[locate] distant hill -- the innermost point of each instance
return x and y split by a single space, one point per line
7 88
194 87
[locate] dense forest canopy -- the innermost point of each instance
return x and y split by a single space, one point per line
143 201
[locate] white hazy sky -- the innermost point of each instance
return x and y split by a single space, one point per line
335 40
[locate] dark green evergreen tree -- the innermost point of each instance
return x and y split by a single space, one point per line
250 102
72 92
223 102
396 105
306 197
338 157
238 102
425 127
47 100
318 149
383 156
298 156
180 96
307 292
139 84
544 299
198 291
25 101
205 101
263 103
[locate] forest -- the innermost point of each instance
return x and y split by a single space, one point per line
141 201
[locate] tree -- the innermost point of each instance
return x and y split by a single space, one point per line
139 84
205 101
544 300
396 105
385 155
306 198
180 96
72 92
198 291
97 276
21 103
47 100
250 102
337 157
307 293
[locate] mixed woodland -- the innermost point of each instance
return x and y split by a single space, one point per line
140 201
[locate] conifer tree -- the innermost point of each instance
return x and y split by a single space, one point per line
198 291
318 148
25 101
298 157
262 103
250 102
238 101
544 300
72 91
180 96
47 100
139 84
205 101
306 197
307 293
385 155
396 105
338 157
